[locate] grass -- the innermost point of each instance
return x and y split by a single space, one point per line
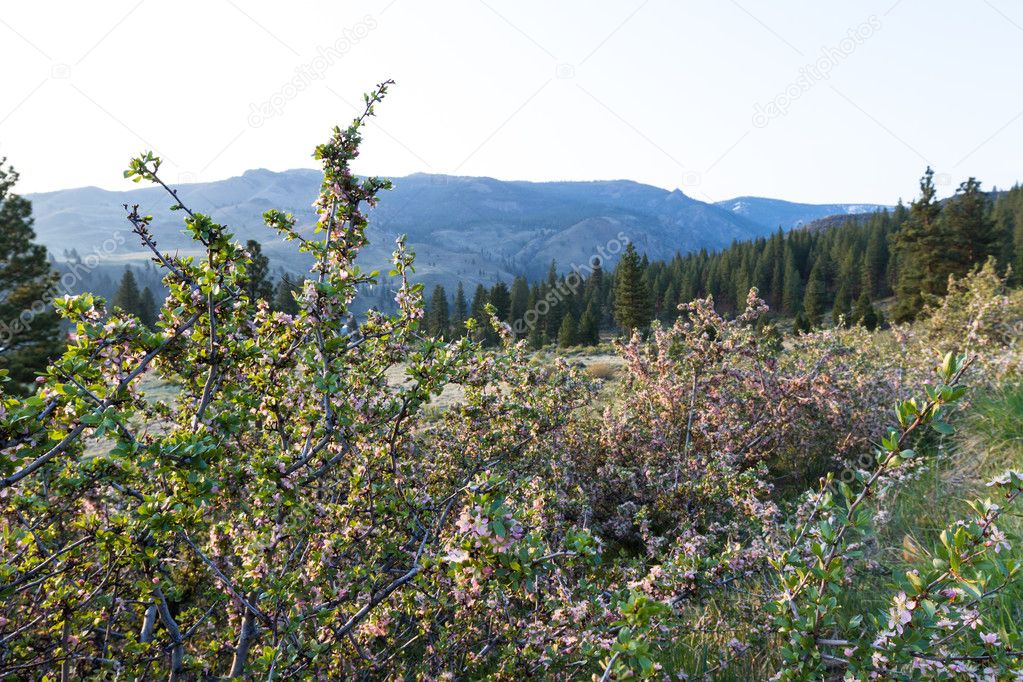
989 441
603 370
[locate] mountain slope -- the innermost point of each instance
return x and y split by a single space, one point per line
476 230
473 229
775 213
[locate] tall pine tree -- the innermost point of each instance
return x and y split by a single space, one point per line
841 313
566 334
969 232
917 248
792 292
588 330
436 320
29 327
519 300
478 313
148 310
284 297
500 298
459 313
865 313
633 308
257 276
128 297
815 297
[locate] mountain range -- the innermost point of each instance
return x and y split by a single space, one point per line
473 229
790 215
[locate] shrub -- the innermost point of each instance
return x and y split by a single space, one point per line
290 516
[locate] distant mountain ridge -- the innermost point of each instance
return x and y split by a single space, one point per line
473 229
789 215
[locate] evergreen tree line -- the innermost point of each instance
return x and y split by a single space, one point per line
142 304
281 296
801 275
260 284
907 254
103 278
565 309
813 277
951 237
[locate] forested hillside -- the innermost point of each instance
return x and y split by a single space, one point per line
474 230
813 277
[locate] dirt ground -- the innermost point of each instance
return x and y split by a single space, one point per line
604 366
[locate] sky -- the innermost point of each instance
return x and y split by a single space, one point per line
806 101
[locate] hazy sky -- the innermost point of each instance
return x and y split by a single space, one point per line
808 101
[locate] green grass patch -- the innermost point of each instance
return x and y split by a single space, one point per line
989 440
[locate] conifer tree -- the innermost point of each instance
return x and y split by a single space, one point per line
436 322
595 282
916 246
815 298
128 297
875 264
566 335
588 331
841 313
865 313
596 293
800 325
29 328
536 336
552 320
1007 214
938 241
792 295
459 313
519 300
500 298
1011 212
549 292
284 297
777 286
257 284
148 310
477 311
969 232
633 308
670 302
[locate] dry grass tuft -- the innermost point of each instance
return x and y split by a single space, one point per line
603 370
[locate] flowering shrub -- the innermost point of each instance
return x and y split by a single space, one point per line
714 415
932 629
291 513
287 513
979 315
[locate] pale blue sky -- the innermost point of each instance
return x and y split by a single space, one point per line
668 92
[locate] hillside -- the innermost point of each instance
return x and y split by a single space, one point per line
477 230
790 215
